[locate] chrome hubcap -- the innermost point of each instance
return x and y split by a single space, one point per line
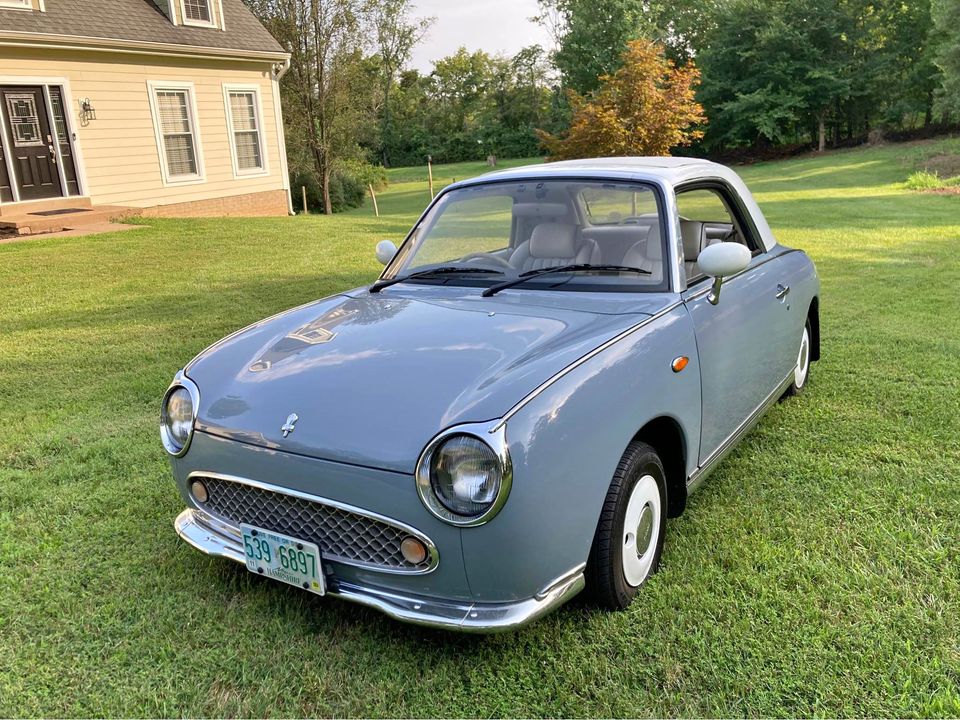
641 530
644 530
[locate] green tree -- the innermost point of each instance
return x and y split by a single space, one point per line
946 14
591 36
326 92
775 68
397 35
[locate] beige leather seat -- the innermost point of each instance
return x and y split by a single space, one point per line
647 255
554 245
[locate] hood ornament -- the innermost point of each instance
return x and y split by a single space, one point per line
290 425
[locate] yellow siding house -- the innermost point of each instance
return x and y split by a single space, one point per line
170 107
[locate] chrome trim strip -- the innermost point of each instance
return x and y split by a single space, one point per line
180 381
717 456
431 547
577 363
496 440
215 539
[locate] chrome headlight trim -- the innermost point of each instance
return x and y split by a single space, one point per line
493 437
180 381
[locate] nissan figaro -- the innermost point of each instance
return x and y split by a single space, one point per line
550 364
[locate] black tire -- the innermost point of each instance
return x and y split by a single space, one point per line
607 585
795 387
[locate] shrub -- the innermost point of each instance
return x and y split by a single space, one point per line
348 186
923 180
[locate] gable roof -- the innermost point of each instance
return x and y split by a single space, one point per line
140 23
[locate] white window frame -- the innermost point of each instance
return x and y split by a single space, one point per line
254 90
17 4
199 23
155 86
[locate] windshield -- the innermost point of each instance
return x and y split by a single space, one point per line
508 229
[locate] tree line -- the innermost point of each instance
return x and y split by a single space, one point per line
734 74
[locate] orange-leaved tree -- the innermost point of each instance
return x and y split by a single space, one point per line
646 107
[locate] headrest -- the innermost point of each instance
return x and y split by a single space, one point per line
692 234
553 240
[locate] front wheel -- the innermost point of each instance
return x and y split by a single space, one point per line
801 372
629 539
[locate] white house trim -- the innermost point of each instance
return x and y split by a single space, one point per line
43 40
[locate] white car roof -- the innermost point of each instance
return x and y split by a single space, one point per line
672 170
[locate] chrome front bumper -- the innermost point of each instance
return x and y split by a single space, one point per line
219 539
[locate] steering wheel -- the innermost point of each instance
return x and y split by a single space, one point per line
496 259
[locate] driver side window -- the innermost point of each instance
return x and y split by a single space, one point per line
705 219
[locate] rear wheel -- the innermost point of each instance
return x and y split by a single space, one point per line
629 539
802 371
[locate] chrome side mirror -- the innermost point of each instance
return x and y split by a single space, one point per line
386 251
723 260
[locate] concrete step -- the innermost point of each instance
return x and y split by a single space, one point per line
24 208
31 224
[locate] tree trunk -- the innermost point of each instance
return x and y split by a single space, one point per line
822 133
327 205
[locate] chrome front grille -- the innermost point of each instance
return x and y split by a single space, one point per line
342 535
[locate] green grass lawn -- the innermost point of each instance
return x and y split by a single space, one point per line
818 572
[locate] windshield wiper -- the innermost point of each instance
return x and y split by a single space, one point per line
491 291
450 270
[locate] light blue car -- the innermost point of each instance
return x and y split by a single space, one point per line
550 364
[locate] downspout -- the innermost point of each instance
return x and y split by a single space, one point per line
279 70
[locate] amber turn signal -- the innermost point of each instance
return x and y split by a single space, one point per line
199 491
413 551
680 364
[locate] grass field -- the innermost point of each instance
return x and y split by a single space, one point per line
818 572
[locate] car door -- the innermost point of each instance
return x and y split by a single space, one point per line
742 340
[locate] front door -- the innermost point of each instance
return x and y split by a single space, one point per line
30 143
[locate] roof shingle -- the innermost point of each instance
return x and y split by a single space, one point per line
141 21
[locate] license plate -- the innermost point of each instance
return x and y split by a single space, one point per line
283 558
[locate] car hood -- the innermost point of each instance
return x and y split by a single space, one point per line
372 378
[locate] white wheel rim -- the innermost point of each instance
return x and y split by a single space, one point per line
803 360
641 530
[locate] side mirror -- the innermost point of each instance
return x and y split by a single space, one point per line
723 260
386 251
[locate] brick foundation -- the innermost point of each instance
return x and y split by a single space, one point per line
272 203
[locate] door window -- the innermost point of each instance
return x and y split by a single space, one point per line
24 120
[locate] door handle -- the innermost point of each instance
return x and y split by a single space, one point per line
53 154
782 291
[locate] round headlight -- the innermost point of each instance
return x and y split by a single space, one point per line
176 419
465 475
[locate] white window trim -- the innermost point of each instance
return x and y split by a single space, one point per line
199 23
17 5
239 174
153 86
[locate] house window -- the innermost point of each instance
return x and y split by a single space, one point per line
176 124
243 116
197 12
18 4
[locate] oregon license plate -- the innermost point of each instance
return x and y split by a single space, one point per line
283 558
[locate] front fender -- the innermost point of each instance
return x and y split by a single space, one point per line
565 443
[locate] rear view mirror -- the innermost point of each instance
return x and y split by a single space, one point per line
720 261
386 251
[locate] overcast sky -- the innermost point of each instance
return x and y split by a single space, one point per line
491 25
